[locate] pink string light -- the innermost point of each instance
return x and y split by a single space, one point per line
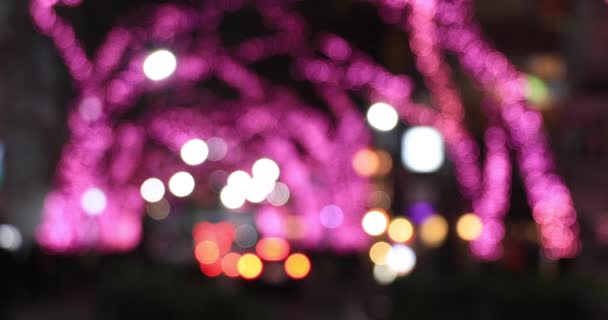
548 196
107 89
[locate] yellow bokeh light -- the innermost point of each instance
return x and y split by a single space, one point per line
400 230
375 222
378 252
297 266
250 266
469 227
433 231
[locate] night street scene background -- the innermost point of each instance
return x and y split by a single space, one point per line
302 159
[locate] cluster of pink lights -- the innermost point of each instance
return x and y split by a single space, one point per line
271 119
448 25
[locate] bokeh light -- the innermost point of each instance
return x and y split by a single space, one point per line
386 163
231 197
422 149
212 269
239 179
279 195
245 236
10 238
536 90
366 163
383 274
230 264
469 227
160 65
297 266
250 266
266 170
258 190
421 210
93 201
194 152
217 149
272 249
152 190
375 222
401 259
380 199
382 117
181 184
158 210
433 231
207 252
379 252
400 230
331 216
221 235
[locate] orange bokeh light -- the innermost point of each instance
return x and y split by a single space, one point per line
297 266
366 163
272 249
385 163
207 252
230 264
250 266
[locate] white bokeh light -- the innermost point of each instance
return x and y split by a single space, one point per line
401 259
258 190
10 238
152 190
239 179
266 170
194 152
232 197
93 201
384 274
422 149
374 222
279 195
181 184
159 65
382 116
